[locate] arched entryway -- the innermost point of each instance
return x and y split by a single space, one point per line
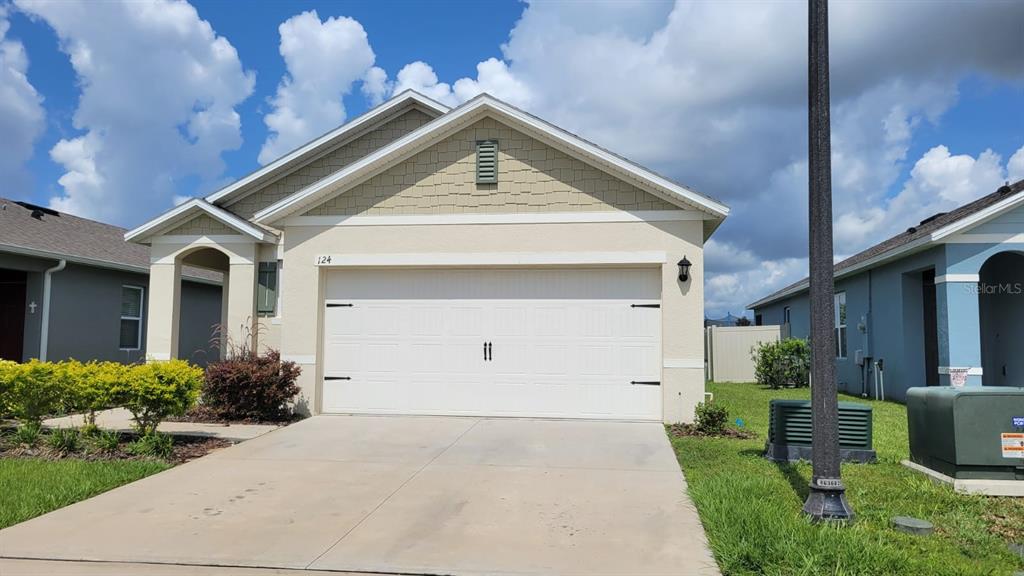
200 320
1001 315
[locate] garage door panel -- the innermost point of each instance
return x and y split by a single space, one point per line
563 343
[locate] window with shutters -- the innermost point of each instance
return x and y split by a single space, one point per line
131 317
487 162
266 292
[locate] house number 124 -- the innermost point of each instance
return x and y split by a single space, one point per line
323 260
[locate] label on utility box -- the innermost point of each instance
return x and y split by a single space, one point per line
1018 421
1013 444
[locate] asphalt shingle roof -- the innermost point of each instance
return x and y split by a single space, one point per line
924 229
69 236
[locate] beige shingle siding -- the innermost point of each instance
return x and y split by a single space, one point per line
329 163
532 177
201 225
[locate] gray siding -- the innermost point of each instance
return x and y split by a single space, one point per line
85 312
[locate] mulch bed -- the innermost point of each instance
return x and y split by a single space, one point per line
691 430
204 415
185 448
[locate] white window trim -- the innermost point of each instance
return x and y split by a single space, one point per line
139 318
841 352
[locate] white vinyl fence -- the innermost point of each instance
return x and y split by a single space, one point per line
727 350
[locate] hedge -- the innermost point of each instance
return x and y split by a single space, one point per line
151 392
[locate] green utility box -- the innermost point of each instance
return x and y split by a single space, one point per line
790 429
973 432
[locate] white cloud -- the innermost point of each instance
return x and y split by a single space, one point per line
420 76
157 106
22 116
323 59
375 85
1015 167
492 76
714 95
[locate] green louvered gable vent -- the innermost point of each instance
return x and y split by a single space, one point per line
487 162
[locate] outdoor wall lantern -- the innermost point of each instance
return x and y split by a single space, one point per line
684 269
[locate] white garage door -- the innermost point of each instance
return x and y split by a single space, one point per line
566 343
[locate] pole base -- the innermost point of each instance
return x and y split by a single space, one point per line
828 504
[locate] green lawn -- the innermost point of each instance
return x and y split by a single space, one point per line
30 487
750 506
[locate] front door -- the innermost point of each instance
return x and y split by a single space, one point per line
12 314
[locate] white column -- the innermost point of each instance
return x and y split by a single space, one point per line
164 311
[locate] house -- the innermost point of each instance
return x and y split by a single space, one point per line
475 260
727 320
73 288
942 303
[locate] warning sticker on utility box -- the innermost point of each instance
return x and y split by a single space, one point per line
1013 445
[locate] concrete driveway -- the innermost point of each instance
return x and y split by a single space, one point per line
411 495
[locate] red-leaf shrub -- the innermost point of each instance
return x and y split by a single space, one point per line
250 386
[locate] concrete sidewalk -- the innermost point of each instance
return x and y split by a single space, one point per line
396 494
121 420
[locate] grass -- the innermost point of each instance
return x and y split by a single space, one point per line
30 487
750 506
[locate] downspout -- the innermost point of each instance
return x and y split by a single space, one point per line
44 331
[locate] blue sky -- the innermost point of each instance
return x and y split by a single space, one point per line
184 98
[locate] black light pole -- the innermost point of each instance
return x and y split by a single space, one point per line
827 500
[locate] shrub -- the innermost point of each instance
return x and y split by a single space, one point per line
34 391
107 440
28 433
152 444
88 387
152 392
711 419
63 440
7 371
249 386
783 364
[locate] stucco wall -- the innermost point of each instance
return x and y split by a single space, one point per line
682 303
329 163
533 177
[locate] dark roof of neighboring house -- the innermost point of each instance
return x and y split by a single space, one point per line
44 232
922 230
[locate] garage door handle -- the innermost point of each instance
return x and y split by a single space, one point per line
337 378
645 383
487 351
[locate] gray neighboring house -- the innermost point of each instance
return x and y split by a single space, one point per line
73 288
939 304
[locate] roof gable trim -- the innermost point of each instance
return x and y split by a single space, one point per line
182 212
938 236
455 120
397 103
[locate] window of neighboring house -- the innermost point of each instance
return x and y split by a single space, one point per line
266 291
758 321
840 305
131 317
785 315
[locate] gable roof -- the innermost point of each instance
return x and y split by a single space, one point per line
478 107
56 235
916 238
350 130
189 210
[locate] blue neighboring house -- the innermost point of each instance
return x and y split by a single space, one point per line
943 299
